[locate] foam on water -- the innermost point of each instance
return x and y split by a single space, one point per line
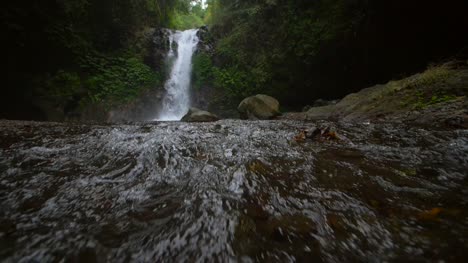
232 191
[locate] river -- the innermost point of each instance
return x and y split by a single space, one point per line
245 191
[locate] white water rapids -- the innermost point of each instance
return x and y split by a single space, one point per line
232 191
177 99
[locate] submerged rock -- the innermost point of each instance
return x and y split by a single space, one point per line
261 107
197 115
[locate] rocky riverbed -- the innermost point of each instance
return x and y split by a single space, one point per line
233 191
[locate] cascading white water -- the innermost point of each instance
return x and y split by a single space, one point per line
177 100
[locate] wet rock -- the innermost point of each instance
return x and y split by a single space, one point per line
205 45
159 47
153 191
141 109
259 107
322 102
306 108
434 97
197 115
319 134
457 122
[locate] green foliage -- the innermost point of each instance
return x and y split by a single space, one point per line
202 72
235 81
118 80
106 80
60 87
181 21
213 12
276 43
425 100
197 9
110 24
82 49
187 15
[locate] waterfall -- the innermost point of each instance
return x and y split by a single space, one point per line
177 99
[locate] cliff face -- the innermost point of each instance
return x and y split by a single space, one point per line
153 45
300 51
148 103
76 60
435 98
205 93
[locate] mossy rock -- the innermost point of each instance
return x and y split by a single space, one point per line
259 107
197 115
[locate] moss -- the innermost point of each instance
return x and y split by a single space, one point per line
425 101
433 75
117 80
202 71
184 21
423 90
62 86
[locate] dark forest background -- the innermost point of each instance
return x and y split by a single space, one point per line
76 54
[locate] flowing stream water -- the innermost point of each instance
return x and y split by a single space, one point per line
177 99
232 191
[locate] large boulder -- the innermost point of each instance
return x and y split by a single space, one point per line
259 107
197 115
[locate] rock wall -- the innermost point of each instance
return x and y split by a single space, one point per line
147 105
436 97
207 96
